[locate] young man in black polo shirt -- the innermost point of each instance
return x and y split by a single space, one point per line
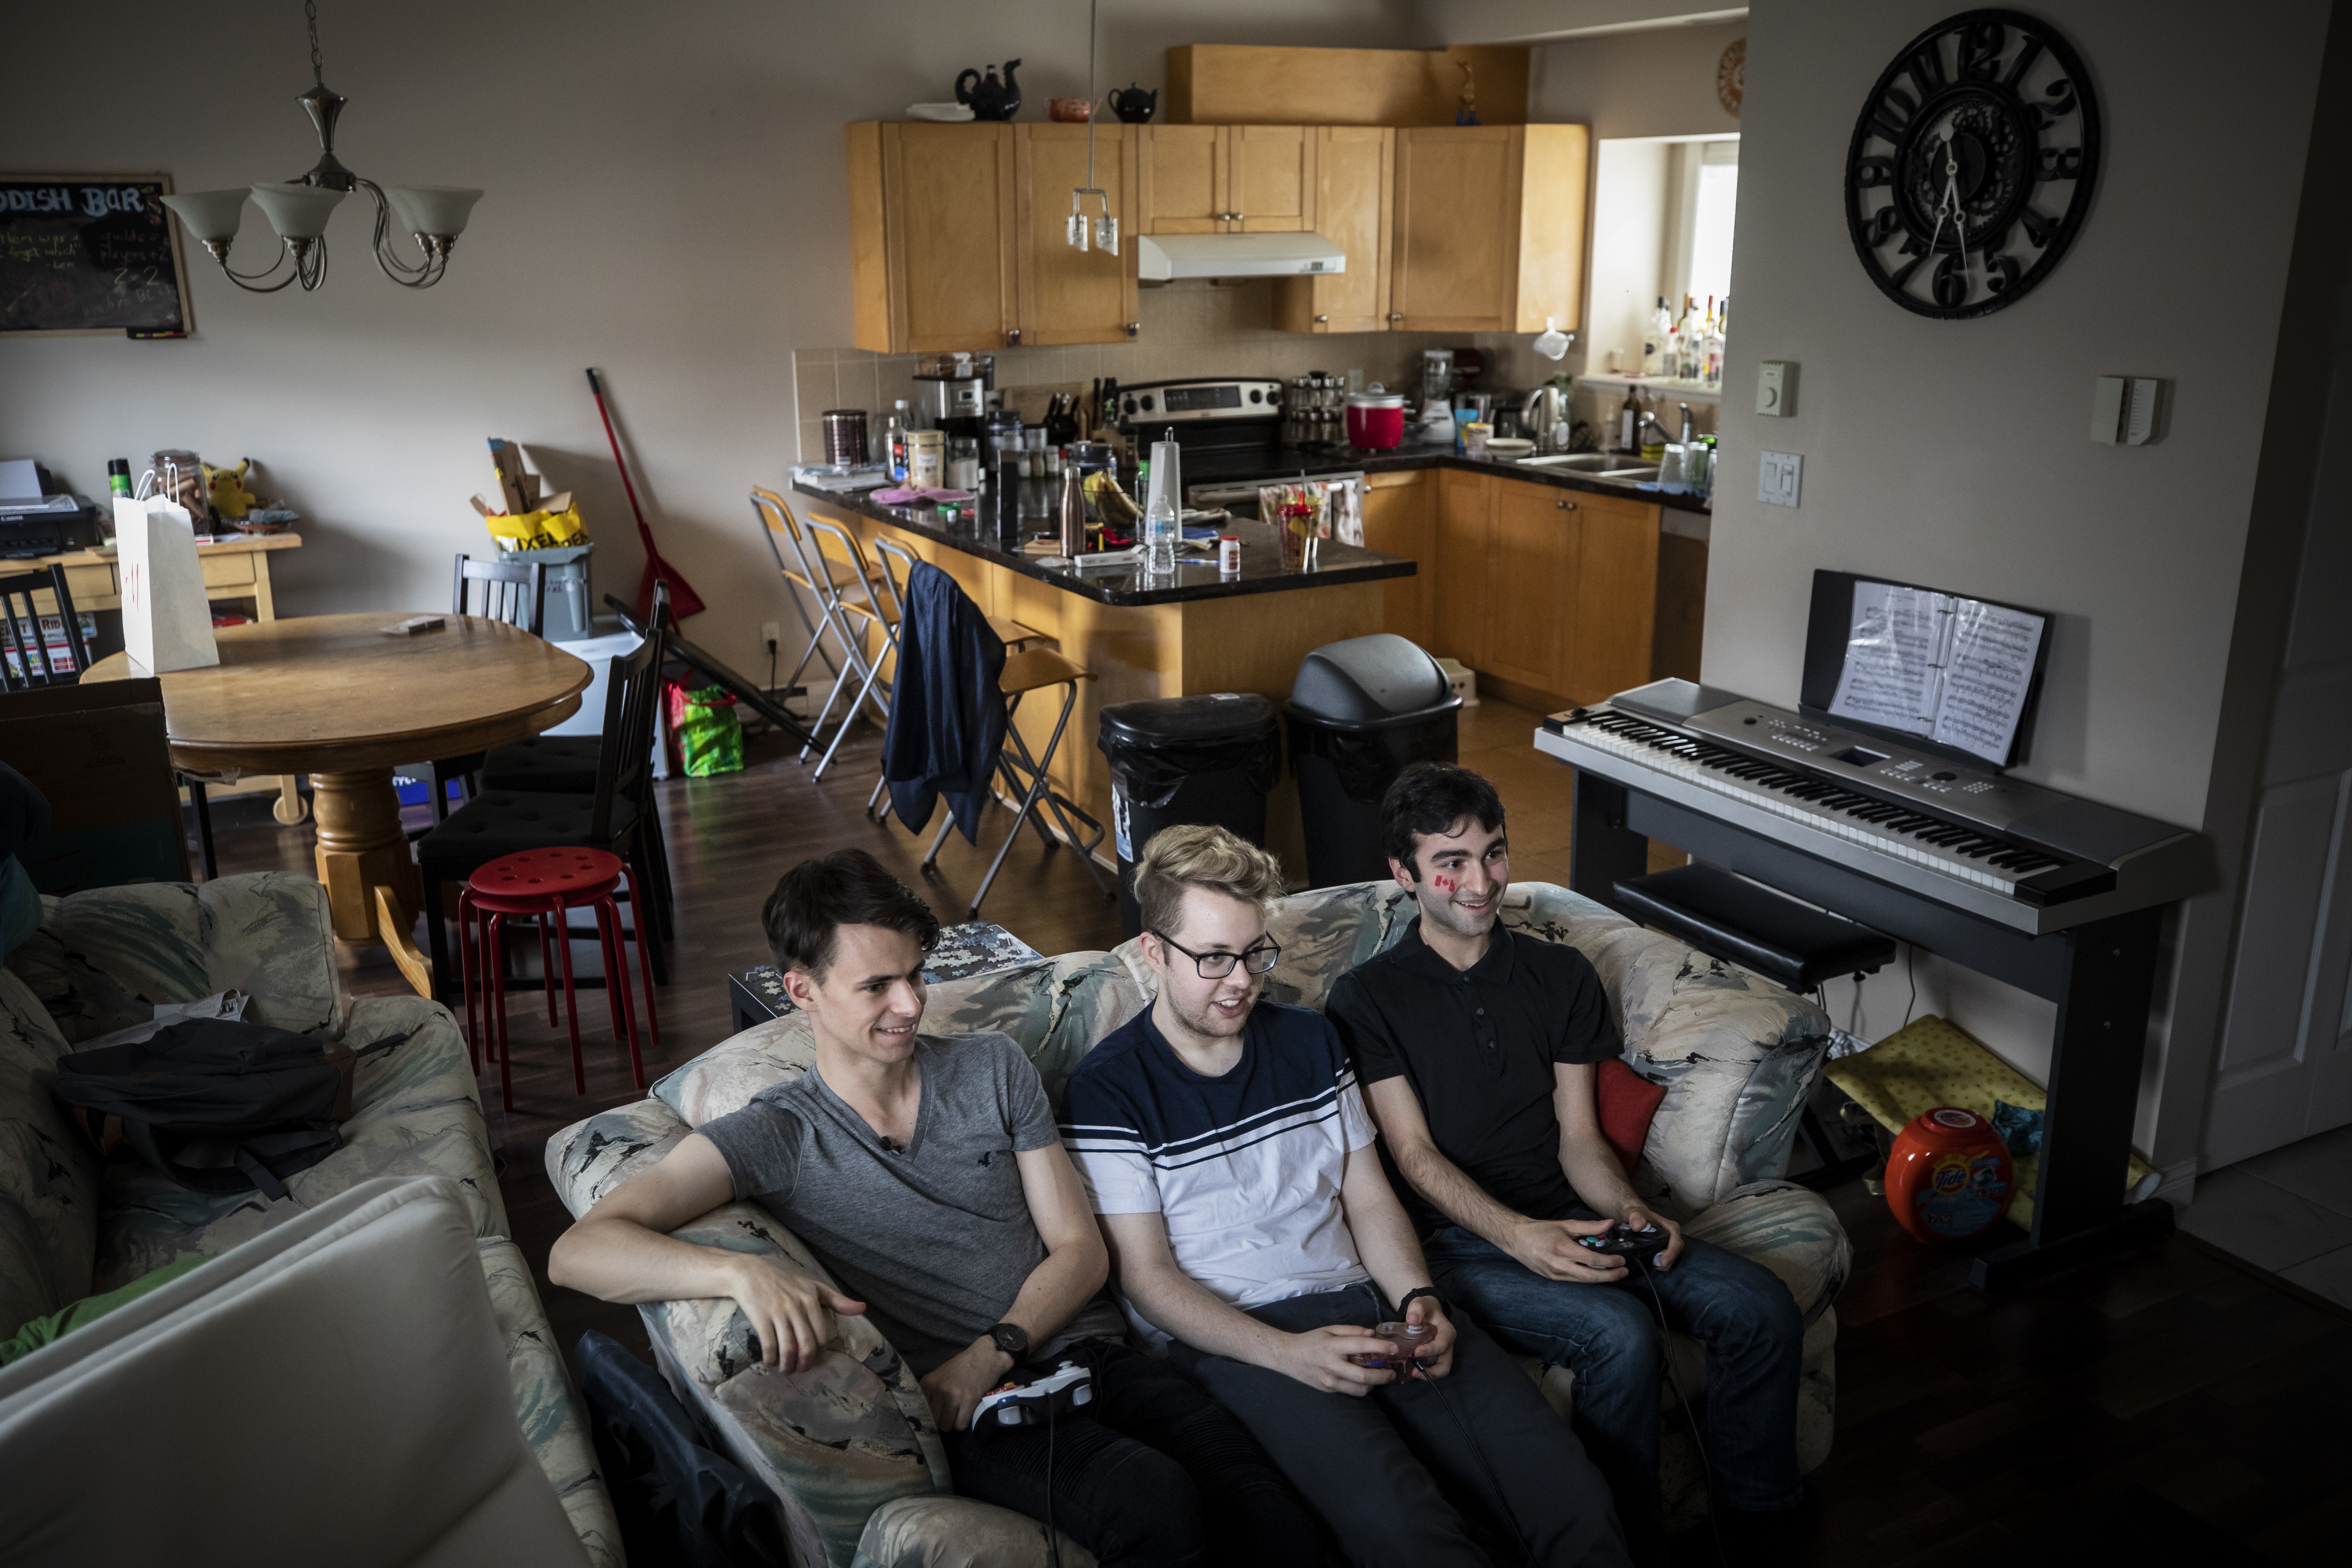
1477 1047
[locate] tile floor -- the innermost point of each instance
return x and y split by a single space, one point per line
2289 1212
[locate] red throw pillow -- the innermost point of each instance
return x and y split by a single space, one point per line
1628 1100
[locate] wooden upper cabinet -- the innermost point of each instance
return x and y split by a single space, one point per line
1270 178
1066 295
1181 179
1355 180
932 216
1489 228
1538 533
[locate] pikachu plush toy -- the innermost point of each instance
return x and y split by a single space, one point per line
227 488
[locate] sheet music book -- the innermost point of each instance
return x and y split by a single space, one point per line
1954 670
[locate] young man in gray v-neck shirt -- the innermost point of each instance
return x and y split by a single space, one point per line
927 1174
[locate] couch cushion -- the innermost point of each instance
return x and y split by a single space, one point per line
1790 1229
415 1112
48 1177
104 958
554 1421
1054 1007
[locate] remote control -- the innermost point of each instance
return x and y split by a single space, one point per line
1409 1338
1016 1403
1635 1246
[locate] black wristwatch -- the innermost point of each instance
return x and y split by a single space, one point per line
1013 1340
1409 1297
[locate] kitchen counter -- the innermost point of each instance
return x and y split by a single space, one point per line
1290 462
1196 576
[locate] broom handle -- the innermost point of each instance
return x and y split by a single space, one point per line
618 461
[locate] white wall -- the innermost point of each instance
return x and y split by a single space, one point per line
666 202
1655 83
1957 454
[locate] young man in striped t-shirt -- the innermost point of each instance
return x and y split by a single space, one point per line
1225 1146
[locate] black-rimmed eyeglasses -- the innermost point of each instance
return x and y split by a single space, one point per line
1217 965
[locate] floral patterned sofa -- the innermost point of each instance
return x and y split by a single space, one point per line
850 1446
71 1227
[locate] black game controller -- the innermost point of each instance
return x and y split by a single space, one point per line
1641 1245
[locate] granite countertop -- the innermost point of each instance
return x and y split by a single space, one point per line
1196 575
1289 462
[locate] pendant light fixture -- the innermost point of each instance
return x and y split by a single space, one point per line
1104 227
433 215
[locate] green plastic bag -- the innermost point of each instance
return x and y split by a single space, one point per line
704 734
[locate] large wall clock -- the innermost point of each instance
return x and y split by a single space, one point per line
1971 164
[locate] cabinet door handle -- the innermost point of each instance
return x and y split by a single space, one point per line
1396 315
1565 505
1323 321
1135 329
1012 337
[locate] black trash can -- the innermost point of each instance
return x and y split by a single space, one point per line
1207 759
1359 711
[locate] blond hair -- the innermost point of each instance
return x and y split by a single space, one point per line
1193 855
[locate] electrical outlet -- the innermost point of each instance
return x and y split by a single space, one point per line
1778 477
773 634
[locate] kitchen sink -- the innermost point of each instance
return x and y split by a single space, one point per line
1596 466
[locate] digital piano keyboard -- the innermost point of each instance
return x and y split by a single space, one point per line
2024 856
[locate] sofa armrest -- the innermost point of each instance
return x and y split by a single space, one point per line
102 959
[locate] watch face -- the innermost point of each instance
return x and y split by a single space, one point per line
1971 164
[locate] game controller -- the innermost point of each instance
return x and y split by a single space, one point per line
1411 1337
1641 1245
1016 1403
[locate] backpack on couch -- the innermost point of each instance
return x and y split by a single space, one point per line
217 1105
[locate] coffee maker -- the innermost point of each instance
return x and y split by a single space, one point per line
951 393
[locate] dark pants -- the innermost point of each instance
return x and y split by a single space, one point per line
1385 1470
1131 1474
1608 1336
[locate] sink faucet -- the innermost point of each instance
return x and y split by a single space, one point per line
1688 428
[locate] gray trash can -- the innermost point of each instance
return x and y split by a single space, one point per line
1207 759
1359 711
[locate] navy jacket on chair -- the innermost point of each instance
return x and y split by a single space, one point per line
947 714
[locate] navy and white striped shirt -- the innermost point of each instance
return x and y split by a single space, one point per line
1246 1168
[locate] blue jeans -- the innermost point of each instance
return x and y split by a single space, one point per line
1608 1336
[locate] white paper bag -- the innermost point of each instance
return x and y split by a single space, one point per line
167 623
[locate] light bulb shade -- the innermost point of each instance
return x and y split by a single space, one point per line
296 212
433 209
210 215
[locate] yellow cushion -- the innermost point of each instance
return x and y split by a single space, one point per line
1930 1062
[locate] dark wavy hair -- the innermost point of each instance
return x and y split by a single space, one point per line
1430 797
815 899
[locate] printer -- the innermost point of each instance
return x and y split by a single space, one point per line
41 524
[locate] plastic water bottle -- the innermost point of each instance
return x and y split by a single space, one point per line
1161 523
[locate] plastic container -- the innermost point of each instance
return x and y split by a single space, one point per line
1949 1176
1376 421
1207 759
1359 711
568 616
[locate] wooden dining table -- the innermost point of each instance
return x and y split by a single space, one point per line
345 700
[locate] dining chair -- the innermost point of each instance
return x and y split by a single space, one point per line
514 592
613 818
26 660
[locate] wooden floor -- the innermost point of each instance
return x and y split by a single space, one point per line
2170 1392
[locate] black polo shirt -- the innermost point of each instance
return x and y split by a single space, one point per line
1478 1045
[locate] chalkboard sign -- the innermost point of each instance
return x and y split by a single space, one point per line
91 253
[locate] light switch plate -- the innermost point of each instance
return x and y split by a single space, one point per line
1778 478
2123 410
1776 389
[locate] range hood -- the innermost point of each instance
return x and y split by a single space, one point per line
1164 257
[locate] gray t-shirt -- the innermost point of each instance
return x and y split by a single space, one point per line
935 1238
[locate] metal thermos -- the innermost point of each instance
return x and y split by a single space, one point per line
1074 513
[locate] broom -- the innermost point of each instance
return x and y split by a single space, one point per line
683 600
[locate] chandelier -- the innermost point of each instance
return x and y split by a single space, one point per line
1104 228
433 215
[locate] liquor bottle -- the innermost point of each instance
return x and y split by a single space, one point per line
1714 330
894 443
1654 343
1628 419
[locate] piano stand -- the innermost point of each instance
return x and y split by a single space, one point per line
2101 975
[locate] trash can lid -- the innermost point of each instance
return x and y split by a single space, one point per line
1211 715
1371 681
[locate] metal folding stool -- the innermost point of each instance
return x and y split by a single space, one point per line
828 580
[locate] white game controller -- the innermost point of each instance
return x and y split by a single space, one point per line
1029 1404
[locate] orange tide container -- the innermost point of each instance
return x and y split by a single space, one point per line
1948 1176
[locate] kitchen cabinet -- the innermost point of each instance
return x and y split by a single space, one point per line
1465 545
1613 625
1488 228
1355 180
931 228
1532 568
1226 179
1399 521
1066 295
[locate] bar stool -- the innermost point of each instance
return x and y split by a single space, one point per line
543 884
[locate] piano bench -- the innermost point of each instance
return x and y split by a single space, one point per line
1734 920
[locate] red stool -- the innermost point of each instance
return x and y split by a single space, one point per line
543 884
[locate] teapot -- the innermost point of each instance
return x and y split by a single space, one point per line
1134 105
989 99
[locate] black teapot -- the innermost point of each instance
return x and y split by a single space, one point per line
989 98
1134 105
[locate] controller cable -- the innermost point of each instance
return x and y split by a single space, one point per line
1665 1357
1053 1539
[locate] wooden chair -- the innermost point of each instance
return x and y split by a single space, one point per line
26 660
498 823
514 592
101 755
